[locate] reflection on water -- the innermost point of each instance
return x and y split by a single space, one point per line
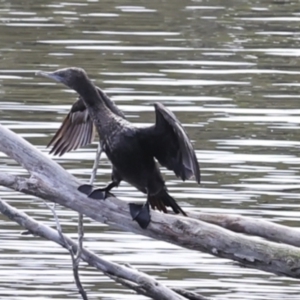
228 69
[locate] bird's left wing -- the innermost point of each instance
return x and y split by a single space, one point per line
170 144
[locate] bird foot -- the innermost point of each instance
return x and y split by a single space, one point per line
97 194
85 189
140 213
101 194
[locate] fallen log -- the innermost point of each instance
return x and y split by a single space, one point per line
51 182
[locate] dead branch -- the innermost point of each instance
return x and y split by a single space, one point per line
252 226
75 259
129 277
51 182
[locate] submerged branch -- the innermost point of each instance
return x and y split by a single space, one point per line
144 284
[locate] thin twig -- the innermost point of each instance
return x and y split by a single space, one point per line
80 238
58 227
76 260
70 249
80 216
96 163
155 288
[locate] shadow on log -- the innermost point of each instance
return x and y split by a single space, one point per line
199 231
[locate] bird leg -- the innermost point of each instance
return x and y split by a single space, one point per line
102 193
141 213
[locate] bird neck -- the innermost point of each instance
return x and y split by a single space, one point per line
95 102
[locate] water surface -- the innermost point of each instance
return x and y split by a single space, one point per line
230 72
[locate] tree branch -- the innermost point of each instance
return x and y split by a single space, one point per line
49 181
75 259
144 283
80 232
252 226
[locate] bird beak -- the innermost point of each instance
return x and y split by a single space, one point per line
50 75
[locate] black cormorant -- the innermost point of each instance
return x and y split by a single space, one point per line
132 150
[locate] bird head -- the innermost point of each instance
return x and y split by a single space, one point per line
71 77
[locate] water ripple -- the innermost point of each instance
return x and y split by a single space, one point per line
229 71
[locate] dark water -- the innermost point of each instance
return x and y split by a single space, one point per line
228 69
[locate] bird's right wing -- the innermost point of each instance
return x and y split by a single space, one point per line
76 131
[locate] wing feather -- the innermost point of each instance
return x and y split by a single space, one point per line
76 131
170 144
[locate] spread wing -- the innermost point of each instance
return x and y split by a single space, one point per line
170 145
77 129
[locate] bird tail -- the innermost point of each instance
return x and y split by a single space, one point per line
163 199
